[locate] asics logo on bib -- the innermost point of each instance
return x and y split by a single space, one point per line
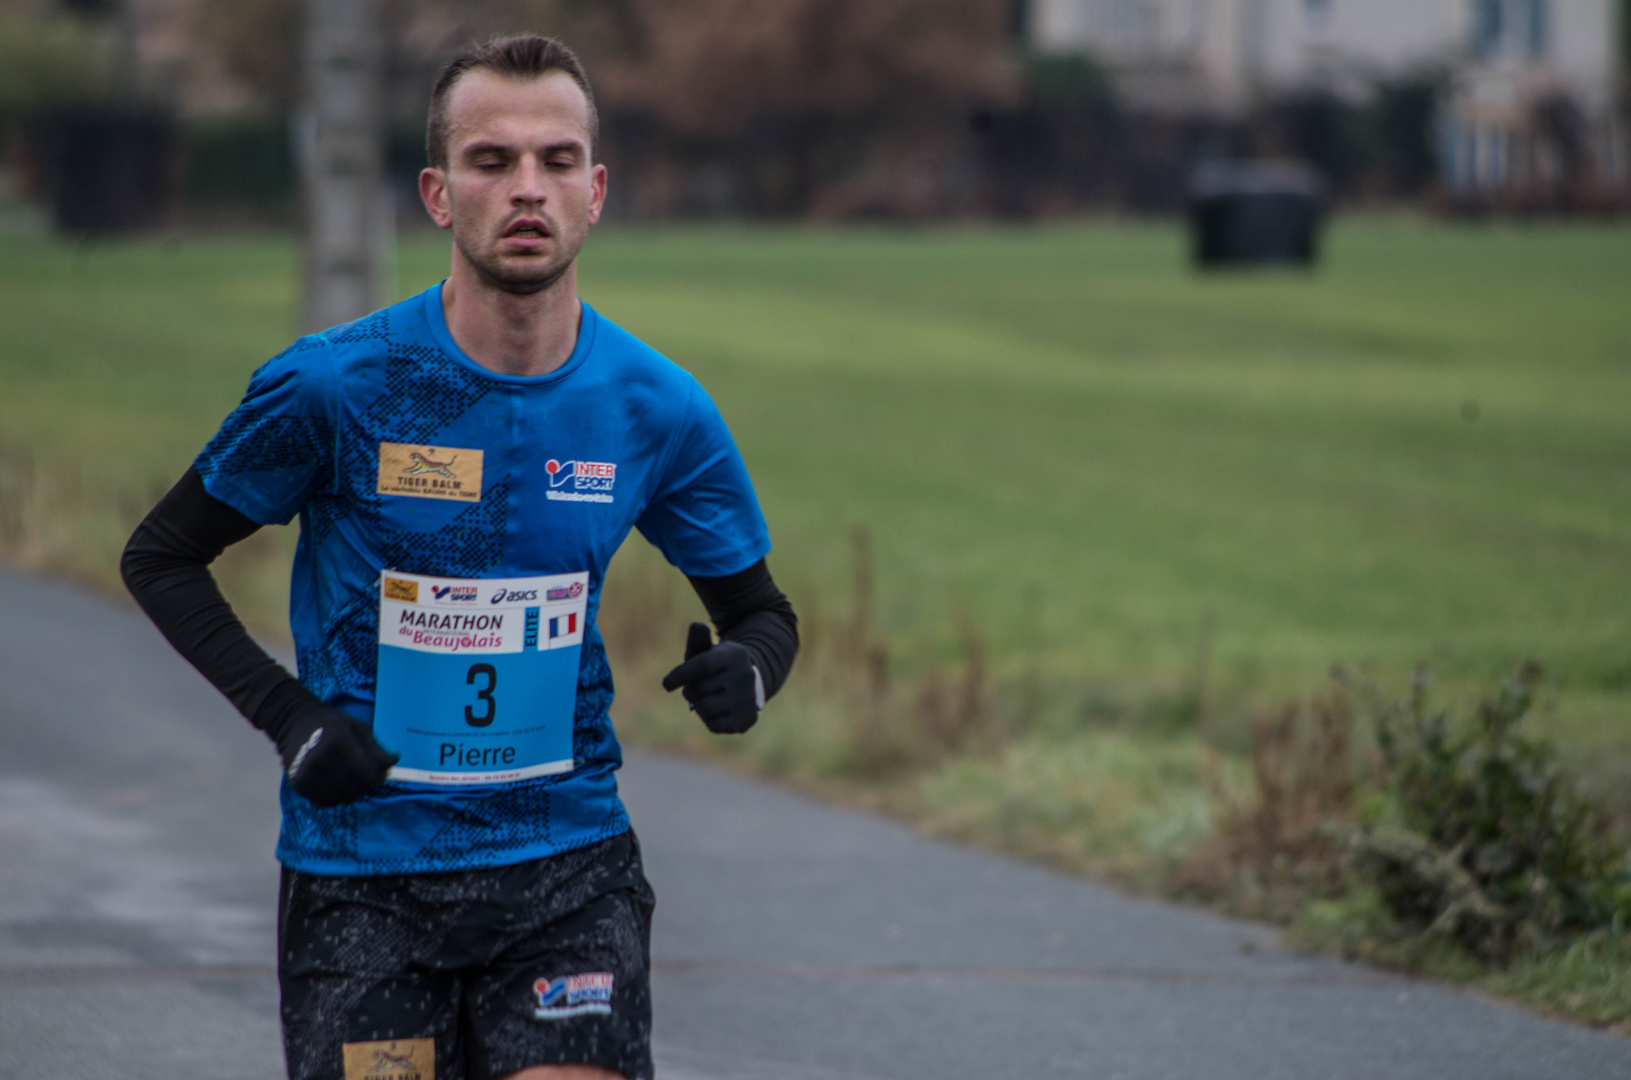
503 597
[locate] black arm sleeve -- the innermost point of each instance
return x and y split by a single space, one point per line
747 608
166 568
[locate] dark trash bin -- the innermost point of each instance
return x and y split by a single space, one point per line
1252 212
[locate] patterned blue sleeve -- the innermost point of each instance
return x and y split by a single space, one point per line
704 516
276 449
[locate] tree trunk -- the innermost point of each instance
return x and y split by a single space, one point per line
350 223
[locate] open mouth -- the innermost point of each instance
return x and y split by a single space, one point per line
527 230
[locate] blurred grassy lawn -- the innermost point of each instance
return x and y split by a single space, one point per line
1420 452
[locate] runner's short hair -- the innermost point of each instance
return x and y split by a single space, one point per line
523 56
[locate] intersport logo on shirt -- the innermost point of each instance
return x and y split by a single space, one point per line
580 481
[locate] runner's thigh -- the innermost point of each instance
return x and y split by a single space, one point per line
359 998
572 985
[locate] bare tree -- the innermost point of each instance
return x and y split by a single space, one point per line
803 106
799 97
257 43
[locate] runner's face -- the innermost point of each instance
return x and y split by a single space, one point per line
520 190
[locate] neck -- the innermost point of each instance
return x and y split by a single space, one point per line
508 333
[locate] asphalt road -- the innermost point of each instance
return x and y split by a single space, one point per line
793 941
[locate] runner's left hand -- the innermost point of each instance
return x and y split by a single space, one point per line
330 757
721 682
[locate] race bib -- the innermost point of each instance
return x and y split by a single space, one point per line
478 679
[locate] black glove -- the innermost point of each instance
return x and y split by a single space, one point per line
331 757
721 682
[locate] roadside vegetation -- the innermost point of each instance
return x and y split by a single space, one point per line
1076 537
1420 834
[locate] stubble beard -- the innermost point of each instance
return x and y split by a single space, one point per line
518 275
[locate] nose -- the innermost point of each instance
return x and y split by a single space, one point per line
529 183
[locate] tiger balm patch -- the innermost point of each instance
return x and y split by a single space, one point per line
393 1059
429 472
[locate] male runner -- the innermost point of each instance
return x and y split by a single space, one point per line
462 895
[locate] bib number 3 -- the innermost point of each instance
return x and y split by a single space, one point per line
484 695
448 649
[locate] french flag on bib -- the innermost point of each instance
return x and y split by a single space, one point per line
563 625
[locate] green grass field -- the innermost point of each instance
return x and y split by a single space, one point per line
1419 453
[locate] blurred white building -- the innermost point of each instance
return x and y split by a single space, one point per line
1532 84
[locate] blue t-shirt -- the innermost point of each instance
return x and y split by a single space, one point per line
398 452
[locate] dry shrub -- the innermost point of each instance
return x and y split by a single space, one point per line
53 518
955 711
17 486
1472 834
1285 842
877 745
1304 781
952 711
860 669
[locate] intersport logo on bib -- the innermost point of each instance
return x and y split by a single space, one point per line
580 481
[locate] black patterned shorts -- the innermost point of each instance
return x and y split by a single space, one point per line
469 975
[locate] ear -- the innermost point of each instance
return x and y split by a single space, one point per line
597 192
433 193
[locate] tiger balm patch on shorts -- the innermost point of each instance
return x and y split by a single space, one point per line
392 1059
574 995
429 472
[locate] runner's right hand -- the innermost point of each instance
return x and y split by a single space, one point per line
332 758
721 682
